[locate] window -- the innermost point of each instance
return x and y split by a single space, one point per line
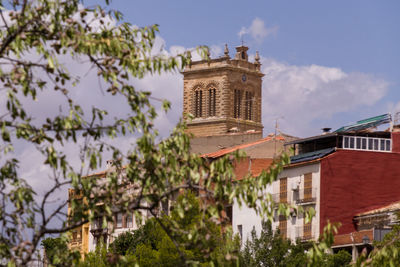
367 143
358 142
198 103
351 142
382 144
248 106
308 186
118 220
376 144
388 148
370 144
97 223
364 143
237 103
74 235
283 226
129 221
240 230
346 142
283 190
228 211
212 102
307 230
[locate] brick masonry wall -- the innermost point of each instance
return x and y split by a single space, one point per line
225 79
357 181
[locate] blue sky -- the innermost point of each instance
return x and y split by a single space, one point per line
351 36
325 65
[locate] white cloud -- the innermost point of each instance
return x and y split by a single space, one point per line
304 94
301 94
258 31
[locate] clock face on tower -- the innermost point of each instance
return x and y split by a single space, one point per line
244 78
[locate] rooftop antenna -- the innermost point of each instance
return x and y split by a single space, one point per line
276 130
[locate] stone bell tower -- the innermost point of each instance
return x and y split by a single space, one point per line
224 96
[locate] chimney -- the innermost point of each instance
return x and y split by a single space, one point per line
326 130
396 139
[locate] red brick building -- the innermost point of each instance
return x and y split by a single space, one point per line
340 175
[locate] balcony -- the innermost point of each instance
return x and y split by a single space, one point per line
305 232
97 229
281 198
306 196
75 243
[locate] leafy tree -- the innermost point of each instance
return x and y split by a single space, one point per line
270 249
385 253
57 252
124 242
151 245
36 36
342 258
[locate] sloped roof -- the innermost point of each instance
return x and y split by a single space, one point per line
258 165
228 150
391 207
311 155
254 167
352 238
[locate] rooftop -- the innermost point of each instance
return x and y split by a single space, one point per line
228 150
395 206
362 135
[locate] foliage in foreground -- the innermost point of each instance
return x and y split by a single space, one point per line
270 249
151 245
37 37
385 253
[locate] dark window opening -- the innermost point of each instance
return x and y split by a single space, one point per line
240 230
228 211
212 102
237 103
248 106
198 103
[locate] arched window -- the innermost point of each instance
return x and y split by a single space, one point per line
198 103
212 102
248 112
237 103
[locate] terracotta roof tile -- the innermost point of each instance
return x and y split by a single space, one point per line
228 150
252 166
258 165
353 238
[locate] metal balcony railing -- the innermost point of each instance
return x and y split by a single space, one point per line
305 232
97 228
281 197
305 196
74 244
